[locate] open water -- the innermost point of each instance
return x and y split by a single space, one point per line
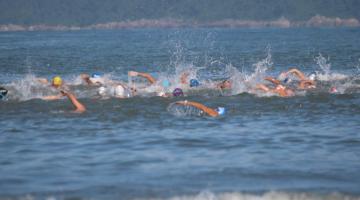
265 147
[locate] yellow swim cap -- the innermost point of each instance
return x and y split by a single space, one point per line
57 81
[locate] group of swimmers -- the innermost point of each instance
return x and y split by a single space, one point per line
279 86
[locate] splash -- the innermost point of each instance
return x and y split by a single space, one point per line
246 82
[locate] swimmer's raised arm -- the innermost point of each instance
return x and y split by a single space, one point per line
297 73
184 77
80 108
151 79
52 97
207 110
273 80
307 84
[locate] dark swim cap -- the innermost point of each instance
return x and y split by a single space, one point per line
194 83
3 92
178 92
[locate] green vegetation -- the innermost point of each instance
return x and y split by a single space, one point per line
86 12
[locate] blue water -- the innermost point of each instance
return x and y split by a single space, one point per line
267 147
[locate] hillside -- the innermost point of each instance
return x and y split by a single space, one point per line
88 12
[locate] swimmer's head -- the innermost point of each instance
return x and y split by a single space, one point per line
96 78
57 81
95 75
119 91
3 92
283 76
165 83
287 80
333 90
194 83
178 92
226 84
312 76
102 91
220 110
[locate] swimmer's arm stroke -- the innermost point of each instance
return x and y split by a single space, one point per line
183 78
150 78
52 97
80 108
211 112
273 80
297 73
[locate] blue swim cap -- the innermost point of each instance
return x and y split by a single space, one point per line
95 75
178 92
287 80
3 92
221 110
194 83
165 83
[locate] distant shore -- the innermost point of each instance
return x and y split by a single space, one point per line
316 21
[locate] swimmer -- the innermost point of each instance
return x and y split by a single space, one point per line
178 92
305 82
79 108
184 78
333 90
116 90
226 84
3 93
147 76
94 79
194 83
58 84
279 89
211 112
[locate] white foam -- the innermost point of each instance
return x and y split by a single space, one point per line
266 196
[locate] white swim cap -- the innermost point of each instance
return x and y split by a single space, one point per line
102 91
312 76
221 110
282 76
119 91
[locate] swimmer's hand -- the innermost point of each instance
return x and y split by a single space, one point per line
64 93
133 73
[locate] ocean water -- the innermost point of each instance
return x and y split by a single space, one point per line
144 147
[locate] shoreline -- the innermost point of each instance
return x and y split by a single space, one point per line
316 21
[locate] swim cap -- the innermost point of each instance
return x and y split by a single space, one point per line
312 76
102 91
282 76
287 80
333 90
165 83
178 92
95 75
194 83
97 79
3 92
57 81
221 110
119 91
